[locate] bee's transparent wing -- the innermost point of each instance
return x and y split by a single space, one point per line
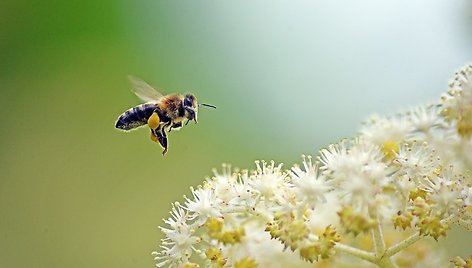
143 90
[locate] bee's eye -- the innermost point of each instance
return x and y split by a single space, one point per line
187 102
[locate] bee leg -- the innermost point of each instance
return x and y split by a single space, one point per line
162 139
163 142
177 126
163 129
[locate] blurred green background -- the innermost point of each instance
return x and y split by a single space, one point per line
288 77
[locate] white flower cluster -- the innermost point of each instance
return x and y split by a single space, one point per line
403 175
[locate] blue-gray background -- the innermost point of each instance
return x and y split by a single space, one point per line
288 77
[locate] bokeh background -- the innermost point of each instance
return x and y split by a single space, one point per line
288 77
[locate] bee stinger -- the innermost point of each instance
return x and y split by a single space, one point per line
162 113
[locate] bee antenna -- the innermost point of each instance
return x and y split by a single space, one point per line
207 105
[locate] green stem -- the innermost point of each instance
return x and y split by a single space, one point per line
365 255
386 262
381 256
382 259
402 245
411 240
379 242
361 254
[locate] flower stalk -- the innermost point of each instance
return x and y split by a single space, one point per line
411 240
358 253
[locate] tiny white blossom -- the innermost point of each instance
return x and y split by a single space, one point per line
426 118
417 160
222 186
310 186
244 194
269 181
203 205
379 129
358 170
444 190
325 214
179 242
334 158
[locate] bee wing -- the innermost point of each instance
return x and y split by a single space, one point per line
143 90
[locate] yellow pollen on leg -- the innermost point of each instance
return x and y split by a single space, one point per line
153 121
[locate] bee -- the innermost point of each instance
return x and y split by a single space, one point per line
161 113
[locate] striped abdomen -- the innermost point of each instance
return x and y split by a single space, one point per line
136 116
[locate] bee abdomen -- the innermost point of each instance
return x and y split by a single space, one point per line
135 117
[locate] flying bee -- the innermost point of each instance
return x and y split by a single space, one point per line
162 113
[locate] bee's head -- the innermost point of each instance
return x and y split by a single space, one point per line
191 107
